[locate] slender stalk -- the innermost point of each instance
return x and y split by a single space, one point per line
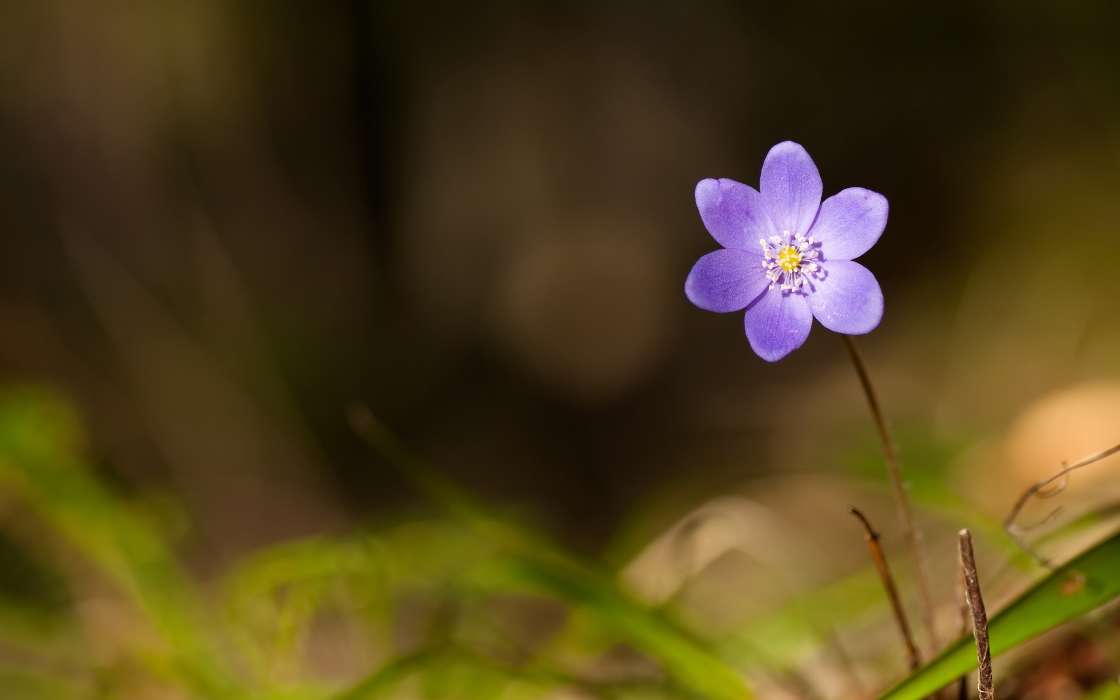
875 548
1046 488
984 686
905 513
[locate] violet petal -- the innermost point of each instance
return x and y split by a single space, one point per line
777 324
733 213
791 188
726 280
850 222
848 299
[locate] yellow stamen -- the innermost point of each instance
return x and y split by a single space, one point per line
789 258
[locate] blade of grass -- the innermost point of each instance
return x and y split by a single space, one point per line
1109 691
388 676
32 686
498 679
39 438
533 560
686 659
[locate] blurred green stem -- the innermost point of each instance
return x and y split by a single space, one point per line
902 499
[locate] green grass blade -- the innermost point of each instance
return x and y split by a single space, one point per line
531 560
387 677
1085 583
688 662
1110 691
27 685
40 442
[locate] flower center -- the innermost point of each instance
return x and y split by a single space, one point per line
791 262
789 258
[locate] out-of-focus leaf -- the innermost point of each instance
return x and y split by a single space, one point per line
778 638
456 672
686 660
530 561
32 686
39 446
385 678
459 677
1109 691
443 673
1085 583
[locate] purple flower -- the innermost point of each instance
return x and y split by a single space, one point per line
786 256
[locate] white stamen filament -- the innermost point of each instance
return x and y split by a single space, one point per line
789 261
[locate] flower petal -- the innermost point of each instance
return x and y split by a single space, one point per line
733 213
848 299
791 187
850 222
726 280
777 324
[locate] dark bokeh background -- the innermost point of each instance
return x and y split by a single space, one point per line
224 222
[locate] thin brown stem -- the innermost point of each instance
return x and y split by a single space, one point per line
875 548
1039 490
902 500
984 687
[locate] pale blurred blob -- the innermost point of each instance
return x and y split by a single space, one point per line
1064 426
737 566
700 538
1059 428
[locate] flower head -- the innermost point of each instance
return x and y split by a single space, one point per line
787 257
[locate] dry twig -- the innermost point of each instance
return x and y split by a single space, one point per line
913 656
984 686
1047 488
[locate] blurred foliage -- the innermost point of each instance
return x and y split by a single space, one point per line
1110 691
431 605
267 606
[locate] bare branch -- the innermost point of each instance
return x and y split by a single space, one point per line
1047 488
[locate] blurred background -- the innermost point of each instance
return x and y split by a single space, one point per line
225 224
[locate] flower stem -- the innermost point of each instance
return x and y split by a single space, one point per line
902 500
